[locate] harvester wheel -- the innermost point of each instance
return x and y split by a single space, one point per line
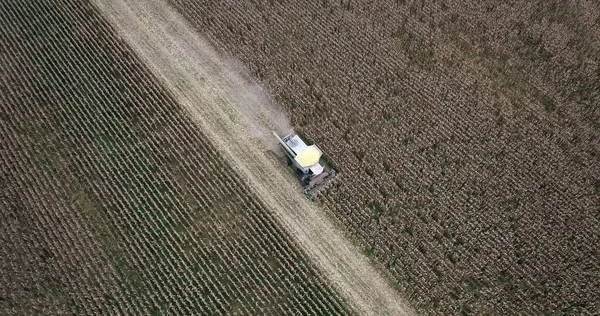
288 161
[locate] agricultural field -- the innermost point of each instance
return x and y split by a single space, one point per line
113 200
466 136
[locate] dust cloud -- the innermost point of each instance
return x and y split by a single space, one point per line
260 113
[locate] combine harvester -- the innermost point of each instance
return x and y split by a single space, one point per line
306 161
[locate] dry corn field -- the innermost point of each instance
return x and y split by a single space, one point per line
466 137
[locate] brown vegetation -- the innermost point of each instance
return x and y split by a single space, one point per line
466 136
112 200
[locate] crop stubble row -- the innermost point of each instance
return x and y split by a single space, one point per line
132 205
468 164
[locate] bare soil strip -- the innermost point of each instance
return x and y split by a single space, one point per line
203 83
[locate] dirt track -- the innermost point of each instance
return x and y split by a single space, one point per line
205 85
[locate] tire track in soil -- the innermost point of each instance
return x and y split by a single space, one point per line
208 89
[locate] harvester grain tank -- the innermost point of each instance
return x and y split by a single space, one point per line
307 162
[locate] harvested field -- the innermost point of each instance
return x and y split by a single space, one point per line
217 97
113 200
466 136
